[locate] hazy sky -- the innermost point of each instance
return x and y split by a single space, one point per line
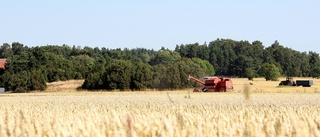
153 24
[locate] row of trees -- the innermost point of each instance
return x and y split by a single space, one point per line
125 74
244 59
30 68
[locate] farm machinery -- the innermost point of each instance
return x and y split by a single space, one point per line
213 84
290 82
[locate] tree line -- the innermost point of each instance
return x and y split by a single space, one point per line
245 59
30 68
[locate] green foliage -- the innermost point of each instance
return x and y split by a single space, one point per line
115 75
141 77
250 73
17 82
118 75
95 79
6 51
159 77
314 61
205 65
165 57
315 69
270 71
37 80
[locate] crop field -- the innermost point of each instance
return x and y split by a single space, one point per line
256 109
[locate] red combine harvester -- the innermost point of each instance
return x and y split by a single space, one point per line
213 84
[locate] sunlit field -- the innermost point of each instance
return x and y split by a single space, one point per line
263 110
258 85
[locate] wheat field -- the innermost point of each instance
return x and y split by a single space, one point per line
247 111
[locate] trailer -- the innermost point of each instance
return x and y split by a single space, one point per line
304 83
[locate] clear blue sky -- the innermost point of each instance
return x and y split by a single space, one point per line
153 24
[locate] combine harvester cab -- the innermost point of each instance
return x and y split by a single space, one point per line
213 84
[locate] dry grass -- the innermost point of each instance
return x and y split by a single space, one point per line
159 114
251 110
260 85
65 86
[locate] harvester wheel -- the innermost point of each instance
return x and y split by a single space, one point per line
204 90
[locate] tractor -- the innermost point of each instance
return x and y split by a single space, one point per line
288 82
213 84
